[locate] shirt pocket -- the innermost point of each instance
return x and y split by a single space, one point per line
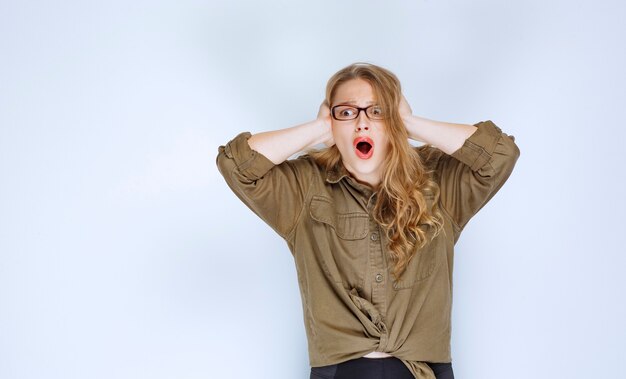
341 240
424 263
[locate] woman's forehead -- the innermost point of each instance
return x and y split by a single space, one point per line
355 91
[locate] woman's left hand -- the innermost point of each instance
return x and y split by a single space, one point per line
404 108
411 123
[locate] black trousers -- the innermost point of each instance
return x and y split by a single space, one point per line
376 368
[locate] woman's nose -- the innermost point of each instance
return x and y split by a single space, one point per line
362 122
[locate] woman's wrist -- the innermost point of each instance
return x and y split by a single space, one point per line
318 131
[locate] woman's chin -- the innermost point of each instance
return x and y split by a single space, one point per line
362 168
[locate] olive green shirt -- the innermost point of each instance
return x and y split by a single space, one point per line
351 304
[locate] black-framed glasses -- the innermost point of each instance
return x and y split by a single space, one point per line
343 112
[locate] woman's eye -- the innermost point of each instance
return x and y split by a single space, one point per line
347 112
377 111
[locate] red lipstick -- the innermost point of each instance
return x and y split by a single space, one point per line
363 147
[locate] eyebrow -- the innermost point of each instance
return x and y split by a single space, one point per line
354 102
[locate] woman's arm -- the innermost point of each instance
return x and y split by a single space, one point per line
446 136
274 189
278 145
480 158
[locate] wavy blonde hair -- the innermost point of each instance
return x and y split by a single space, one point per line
401 207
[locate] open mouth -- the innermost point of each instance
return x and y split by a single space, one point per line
364 147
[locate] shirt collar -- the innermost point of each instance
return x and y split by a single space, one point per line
339 172
335 174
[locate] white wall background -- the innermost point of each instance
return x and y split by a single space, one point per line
124 255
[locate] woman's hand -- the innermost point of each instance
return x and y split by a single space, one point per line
404 108
323 116
411 122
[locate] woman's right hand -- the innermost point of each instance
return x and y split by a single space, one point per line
323 116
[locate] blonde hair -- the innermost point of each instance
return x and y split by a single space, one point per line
401 207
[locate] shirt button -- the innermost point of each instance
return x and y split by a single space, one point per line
379 278
374 237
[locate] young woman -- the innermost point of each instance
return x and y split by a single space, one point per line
371 221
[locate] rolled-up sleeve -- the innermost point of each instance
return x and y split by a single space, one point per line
249 163
275 193
475 172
